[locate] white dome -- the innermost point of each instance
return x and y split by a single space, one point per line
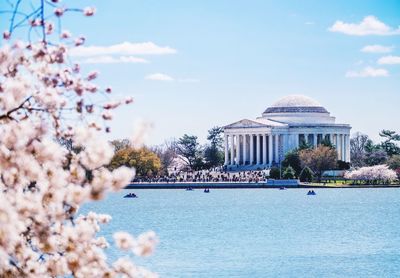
296 104
298 109
296 101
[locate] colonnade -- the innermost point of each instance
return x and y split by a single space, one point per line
266 149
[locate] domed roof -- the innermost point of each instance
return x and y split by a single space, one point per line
296 104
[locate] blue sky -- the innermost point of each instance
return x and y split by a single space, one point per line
229 60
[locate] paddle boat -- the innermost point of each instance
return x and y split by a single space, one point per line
282 188
189 188
130 195
206 190
311 192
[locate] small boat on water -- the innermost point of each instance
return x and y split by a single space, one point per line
130 195
206 190
311 192
189 188
282 188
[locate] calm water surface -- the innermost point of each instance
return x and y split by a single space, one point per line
263 232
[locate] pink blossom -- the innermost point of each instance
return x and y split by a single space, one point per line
89 11
79 41
92 75
6 35
53 159
128 100
372 173
36 22
59 11
124 240
146 244
111 105
65 34
107 115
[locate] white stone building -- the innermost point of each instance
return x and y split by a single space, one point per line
294 119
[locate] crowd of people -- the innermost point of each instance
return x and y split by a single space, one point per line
212 175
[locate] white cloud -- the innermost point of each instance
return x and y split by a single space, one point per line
370 25
188 80
376 48
159 77
389 60
125 48
166 77
107 59
368 72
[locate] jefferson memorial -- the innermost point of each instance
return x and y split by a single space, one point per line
284 126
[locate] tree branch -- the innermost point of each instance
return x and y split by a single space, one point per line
8 114
13 16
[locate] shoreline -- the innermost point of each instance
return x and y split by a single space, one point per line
244 185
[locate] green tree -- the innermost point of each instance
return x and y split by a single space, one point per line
274 173
189 149
394 162
292 159
215 136
213 153
303 146
306 175
289 173
327 143
145 162
319 159
214 157
370 146
374 154
199 163
389 145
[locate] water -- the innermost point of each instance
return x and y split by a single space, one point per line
263 232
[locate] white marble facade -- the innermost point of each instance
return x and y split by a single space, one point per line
263 142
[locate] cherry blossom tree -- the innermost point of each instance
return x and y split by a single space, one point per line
45 98
372 175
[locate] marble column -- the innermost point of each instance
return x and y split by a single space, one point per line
277 148
244 149
226 150
315 142
258 148
306 138
348 158
296 140
270 149
265 149
338 146
251 149
232 149
238 149
344 147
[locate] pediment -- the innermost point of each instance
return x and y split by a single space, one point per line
245 123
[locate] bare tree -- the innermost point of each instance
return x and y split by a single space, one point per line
167 153
120 144
357 149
